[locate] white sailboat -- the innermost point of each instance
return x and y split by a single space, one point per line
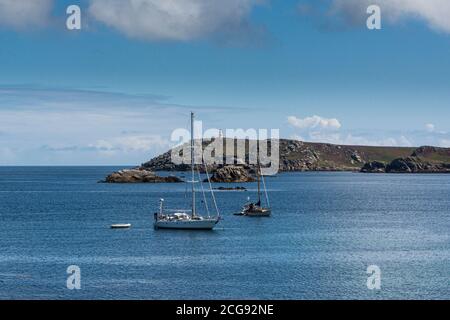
183 219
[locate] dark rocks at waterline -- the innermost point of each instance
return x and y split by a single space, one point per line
139 175
406 165
231 189
416 165
374 167
232 174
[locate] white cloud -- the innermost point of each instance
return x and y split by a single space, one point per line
22 14
7 155
316 136
297 137
352 139
430 127
172 19
314 122
445 143
404 141
319 129
63 126
435 13
141 143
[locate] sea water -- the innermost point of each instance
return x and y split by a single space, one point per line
326 229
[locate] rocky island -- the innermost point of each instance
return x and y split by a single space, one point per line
139 175
305 156
302 156
232 174
422 160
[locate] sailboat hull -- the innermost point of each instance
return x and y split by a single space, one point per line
258 213
181 220
204 224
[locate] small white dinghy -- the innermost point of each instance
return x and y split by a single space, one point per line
121 226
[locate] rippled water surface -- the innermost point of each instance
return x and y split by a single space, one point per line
326 229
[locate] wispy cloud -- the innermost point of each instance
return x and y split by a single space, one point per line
445 143
70 126
24 14
141 143
181 20
32 96
429 127
227 22
115 145
347 138
7 155
319 129
434 13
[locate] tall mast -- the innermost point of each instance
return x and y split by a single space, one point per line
192 164
258 173
259 187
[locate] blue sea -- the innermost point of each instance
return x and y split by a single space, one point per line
326 229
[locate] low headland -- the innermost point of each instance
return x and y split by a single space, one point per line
303 156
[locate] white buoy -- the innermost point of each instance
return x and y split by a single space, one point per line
121 226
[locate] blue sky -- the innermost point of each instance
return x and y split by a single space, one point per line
113 92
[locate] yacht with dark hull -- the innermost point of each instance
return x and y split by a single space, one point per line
256 209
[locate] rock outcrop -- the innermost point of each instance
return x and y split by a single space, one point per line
411 164
139 175
163 162
231 189
374 167
232 174
356 158
416 165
